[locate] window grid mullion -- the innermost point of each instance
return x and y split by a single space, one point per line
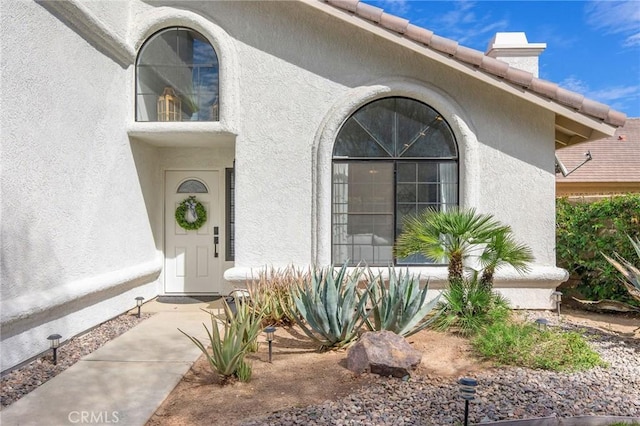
368 223
375 139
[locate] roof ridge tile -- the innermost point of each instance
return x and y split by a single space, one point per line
521 77
369 12
569 98
616 118
444 45
394 23
544 87
419 34
469 55
494 66
349 5
594 108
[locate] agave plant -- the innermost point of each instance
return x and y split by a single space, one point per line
229 349
399 306
330 304
630 272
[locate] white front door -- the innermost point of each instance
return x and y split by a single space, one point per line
192 257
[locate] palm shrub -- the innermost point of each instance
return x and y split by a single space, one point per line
449 236
501 250
330 304
272 292
469 306
229 348
400 305
630 272
453 236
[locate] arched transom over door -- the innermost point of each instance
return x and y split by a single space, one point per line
193 256
392 158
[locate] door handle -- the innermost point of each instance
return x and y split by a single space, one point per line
216 240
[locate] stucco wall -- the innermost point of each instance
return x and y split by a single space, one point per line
76 240
517 176
113 13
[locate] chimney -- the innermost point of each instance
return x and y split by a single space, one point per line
514 49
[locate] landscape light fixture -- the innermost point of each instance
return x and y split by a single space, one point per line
139 300
542 323
468 393
557 297
54 340
270 331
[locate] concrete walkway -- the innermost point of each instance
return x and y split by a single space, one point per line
123 382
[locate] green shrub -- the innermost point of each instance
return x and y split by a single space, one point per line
585 230
272 292
229 349
469 306
330 304
244 371
524 345
398 305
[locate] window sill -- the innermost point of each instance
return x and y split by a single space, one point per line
183 134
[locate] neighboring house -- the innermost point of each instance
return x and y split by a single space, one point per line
305 129
614 169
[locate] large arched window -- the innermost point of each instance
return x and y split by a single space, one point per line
177 78
392 158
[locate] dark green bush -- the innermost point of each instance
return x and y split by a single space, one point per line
586 230
469 306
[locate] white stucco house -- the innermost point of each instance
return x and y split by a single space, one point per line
306 130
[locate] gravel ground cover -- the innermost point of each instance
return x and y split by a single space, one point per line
506 393
25 379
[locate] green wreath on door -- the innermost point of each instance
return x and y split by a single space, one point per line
191 214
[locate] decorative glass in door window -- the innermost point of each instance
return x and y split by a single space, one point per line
192 186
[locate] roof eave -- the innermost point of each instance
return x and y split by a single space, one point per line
571 125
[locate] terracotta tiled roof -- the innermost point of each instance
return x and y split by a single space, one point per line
483 62
615 159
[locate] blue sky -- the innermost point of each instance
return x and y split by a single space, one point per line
593 47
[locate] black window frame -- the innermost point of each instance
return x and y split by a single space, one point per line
137 92
230 214
395 161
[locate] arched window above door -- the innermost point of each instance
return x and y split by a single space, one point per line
192 186
177 74
392 158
